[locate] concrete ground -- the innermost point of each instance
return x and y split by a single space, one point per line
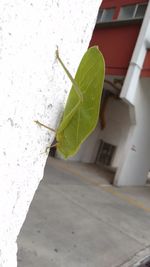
77 219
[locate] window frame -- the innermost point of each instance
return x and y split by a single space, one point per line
134 13
125 20
100 20
138 5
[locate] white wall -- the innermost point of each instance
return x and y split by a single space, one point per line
136 159
117 127
33 86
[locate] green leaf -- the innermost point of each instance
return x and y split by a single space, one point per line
80 117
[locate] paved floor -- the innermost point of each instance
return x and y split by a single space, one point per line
77 219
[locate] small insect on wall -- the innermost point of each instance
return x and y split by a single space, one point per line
81 112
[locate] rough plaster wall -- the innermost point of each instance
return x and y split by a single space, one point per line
33 86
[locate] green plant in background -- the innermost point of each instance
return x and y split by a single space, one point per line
81 112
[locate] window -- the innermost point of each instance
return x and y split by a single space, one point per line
126 12
105 153
132 12
108 14
99 15
105 15
140 12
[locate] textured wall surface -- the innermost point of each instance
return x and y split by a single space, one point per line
33 86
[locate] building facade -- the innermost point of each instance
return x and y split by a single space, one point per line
121 141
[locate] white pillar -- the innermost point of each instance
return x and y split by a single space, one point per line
33 86
130 85
135 159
